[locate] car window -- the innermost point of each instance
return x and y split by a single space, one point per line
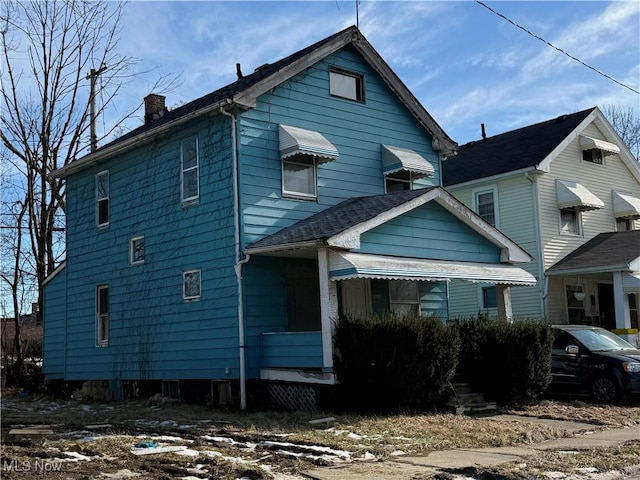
562 341
601 340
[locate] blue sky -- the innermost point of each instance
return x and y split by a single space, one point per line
465 64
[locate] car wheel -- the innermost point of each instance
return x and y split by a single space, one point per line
604 389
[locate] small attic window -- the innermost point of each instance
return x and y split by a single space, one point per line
346 84
593 155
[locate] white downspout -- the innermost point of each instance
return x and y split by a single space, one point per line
239 261
542 278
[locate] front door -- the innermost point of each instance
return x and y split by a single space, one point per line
607 306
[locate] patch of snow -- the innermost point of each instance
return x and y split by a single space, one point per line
168 423
555 475
188 452
312 448
167 438
354 436
120 474
586 470
368 456
397 453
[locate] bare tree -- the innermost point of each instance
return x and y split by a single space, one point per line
57 57
627 124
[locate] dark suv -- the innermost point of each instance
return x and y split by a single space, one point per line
594 360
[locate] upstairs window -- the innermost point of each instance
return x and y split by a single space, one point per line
102 315
136 250
623 224
485 206
190 183
191 289
299 175
102 198
398 181
346 84
570 221
593 155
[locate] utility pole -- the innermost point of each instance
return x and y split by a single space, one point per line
93 75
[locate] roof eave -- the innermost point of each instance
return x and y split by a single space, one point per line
284 247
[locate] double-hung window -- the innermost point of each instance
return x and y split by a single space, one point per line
102 198
489 297
403 297
299 174
190 182
570 221
485 206
191 288
102 315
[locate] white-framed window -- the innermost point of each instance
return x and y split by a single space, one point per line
191 288
575 307
398 181
403 296
570 221
189 178
593 155
102 315
484 204
345 84
489 297
299 176
102 198
136 250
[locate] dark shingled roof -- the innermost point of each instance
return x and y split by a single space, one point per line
227 91
518 149
338 218
604 250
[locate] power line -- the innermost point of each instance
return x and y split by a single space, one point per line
558 49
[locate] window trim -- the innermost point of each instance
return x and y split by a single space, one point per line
102 317
186 273
390 177
590 155
578 217
476 192
300 195
359 84
104 200
183 170
132 250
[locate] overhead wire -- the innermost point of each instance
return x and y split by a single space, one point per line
556 48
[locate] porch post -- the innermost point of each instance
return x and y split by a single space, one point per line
503 298
620 302
328 308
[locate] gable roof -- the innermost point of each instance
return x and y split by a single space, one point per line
341 225
606 252
518 149
244 92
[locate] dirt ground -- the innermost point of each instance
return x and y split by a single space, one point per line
159 439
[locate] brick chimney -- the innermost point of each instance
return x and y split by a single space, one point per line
154 107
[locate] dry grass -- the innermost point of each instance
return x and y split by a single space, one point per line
132 422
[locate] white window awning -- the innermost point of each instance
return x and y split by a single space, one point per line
395 159
346 265
572 194
294 141
631 282
588 143
625 205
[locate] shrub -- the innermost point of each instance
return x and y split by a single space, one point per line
510 362
393 363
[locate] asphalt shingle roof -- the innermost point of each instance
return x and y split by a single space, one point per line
510 151
605 249
338 218
227 91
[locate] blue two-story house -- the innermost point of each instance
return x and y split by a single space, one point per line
218 242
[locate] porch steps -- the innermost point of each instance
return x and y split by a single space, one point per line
464 400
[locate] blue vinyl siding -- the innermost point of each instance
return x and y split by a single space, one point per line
292 349
431 232
356 129
154 333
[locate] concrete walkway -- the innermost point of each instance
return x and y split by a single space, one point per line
402 468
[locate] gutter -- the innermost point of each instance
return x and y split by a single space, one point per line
239 261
